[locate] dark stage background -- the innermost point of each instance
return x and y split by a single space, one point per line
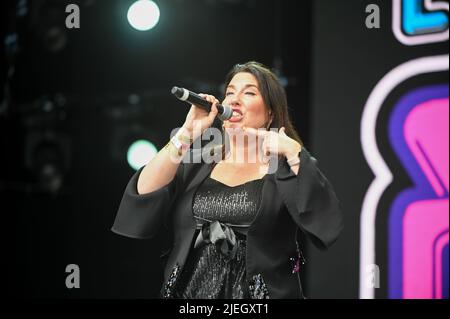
93 91
75 99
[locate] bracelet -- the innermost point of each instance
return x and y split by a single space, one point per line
178 145
293 161
183 137
173 150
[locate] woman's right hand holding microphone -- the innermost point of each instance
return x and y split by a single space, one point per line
198 119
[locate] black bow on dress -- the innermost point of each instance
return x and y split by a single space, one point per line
220 235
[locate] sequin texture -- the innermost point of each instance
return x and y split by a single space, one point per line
208 273
170 285
233 205
257 288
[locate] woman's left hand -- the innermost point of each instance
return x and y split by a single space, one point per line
276 143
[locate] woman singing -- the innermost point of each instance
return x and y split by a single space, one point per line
234 222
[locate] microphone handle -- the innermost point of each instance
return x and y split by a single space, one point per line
198 100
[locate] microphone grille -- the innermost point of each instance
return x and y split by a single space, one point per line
177 91
227 113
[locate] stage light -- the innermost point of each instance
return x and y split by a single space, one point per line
47 157
143 15
140 153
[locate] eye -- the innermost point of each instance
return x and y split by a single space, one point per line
228 93
250 93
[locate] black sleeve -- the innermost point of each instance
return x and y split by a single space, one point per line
312 202
141 216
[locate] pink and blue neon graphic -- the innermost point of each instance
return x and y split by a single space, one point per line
419 216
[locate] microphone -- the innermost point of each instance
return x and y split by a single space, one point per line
225 112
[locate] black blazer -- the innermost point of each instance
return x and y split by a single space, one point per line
289 203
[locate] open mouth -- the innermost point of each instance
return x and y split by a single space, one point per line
237 114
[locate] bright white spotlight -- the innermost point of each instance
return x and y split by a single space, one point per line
143 15
140 153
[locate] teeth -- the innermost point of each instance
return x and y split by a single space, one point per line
236 113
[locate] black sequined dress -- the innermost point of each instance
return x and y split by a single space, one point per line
215 268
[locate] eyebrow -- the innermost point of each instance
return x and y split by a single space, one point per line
245 86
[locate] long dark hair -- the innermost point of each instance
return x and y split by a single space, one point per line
273 94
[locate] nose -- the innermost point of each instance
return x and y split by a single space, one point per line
234 100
